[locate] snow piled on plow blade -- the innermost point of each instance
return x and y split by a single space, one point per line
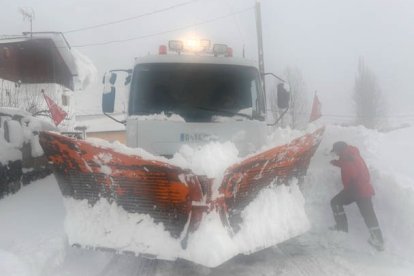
133 203
277 214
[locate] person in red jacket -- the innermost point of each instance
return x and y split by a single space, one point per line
357 188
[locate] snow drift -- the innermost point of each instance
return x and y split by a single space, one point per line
33 236
110 226
388 157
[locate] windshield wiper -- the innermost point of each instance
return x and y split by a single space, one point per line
224 111
115 119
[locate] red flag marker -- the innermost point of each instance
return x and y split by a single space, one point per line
58 114
316 109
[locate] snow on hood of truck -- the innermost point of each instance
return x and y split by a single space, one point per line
159 117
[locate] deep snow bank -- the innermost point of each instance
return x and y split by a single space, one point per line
388 156
276 215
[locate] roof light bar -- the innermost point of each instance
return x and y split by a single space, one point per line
219 49
229 52
162 50
176 45
197 46
205 44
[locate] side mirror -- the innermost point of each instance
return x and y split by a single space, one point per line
108 101
283 97
112 78
108 96
109 81
128 79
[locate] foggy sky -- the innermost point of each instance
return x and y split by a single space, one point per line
323 38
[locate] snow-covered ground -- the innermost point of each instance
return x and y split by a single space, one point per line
33 240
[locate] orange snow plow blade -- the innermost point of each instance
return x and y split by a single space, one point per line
243 181
151 187
174 197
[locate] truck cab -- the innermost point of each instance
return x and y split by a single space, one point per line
194 98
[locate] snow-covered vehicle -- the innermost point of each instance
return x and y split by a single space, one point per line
28 59
22 159
129 200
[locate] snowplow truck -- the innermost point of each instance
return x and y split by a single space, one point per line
129 200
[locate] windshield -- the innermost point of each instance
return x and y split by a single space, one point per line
196 92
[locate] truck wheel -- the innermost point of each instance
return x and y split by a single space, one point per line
14 186
13 176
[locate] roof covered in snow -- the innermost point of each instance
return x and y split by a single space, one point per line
43 57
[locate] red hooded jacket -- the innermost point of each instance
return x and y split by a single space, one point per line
354 172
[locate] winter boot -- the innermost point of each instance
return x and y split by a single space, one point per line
341 222
376 240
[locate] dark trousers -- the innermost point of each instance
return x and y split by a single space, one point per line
346 197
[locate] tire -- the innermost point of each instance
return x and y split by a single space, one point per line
10 176
14 187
